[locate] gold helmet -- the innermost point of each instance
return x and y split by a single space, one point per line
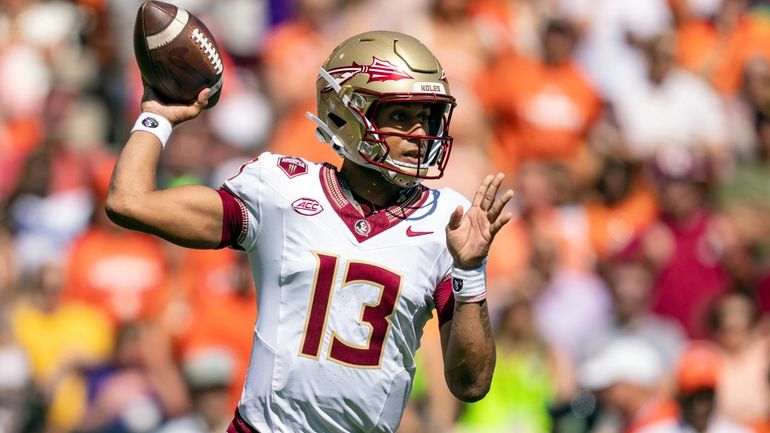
377 68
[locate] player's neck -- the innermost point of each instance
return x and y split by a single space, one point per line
369 184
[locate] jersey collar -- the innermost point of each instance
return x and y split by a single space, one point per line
365 227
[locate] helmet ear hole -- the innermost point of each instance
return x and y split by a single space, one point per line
339 122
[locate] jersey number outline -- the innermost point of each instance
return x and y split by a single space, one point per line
375 316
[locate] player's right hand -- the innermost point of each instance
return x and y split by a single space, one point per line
175 113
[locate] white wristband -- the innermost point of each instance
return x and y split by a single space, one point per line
155 124
469 285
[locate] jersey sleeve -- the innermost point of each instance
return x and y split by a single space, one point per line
444 301
235 220
241 200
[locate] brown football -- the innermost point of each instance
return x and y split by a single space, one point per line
177 55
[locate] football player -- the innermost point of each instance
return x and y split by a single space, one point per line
349 262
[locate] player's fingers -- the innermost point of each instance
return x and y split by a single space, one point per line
455 219
491 192
479 197
203 97
195 109
499 224
498 206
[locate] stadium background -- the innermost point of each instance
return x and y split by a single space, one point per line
636 135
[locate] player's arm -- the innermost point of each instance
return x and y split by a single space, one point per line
469 351
467 340
190 215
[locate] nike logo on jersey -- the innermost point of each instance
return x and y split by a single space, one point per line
413 233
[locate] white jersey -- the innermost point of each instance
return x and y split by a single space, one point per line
342 298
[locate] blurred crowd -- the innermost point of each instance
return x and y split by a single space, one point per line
629 294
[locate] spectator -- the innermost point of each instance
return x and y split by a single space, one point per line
717 48
19 398
691 246
668 106
746 110
219 311
290 52
743 392
208 376
61 338
631 282
139 389
541 108
743 196
697 377
620 206
626 375
123 273
530 376
553 262
52 204
611 33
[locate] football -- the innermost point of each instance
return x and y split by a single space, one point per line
177 55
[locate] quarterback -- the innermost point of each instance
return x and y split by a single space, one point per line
350 261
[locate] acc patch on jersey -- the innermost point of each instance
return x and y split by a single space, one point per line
307 206
292 167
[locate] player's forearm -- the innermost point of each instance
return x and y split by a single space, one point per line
469 359
133 179
189 216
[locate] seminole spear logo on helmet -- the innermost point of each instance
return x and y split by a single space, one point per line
378 70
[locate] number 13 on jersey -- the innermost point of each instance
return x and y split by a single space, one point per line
375 316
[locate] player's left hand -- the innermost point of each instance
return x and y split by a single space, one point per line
469 236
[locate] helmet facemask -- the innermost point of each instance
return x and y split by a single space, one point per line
433 147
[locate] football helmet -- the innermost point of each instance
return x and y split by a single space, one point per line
375 68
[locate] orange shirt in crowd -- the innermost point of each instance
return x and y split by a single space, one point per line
292 53
611 228
295 136
18 137
540 112
721 58
203 273
122 272
218 316
223 321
